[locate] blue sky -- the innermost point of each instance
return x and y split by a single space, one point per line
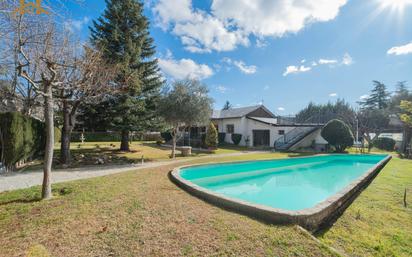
284 53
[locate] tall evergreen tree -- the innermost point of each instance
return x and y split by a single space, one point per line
378 99
122 34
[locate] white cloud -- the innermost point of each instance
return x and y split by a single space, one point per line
333 94
251 69
221 89
75 25
230 23
364 97
246 69
198 31
347 59
275 18
185 68
281 109
400 50
295 69
261 43
266 87
327 61
204 33
172 11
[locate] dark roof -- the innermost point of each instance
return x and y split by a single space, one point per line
235 112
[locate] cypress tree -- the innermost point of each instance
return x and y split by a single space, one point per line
122 34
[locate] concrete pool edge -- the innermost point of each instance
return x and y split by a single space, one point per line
311 218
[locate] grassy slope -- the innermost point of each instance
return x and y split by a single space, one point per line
377 224
138 213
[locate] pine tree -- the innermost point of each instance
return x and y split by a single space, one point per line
227 106
122 34
378 99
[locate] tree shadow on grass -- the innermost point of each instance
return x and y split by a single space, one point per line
23 201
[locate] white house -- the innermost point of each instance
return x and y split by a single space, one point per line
259 127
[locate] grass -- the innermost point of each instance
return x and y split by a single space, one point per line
141 213
377 223
138 213
89 153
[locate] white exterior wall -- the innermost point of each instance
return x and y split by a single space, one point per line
239 126
307 141
245 127
274 130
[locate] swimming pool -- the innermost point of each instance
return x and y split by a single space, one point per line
306 190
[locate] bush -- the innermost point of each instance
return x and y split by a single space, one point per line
167 136
221 138
22 138
338 134
236 138
384 143
211 136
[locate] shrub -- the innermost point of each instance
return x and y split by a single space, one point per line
167 136
221 137
384 143
236 138
22 137
338 134
211 136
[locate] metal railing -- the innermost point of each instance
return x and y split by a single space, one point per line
292 137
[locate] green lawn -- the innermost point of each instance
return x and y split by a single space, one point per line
89 152
141 213
377 223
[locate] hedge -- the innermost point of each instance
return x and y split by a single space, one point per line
384 143
338 134
23 137
236 138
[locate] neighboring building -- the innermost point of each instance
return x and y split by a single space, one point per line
259 127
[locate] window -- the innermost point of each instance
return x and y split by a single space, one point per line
281 132
230 128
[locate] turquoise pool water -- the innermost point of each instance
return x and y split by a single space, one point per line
290 184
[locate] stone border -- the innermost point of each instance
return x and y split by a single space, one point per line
313 219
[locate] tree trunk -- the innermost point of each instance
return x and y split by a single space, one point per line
174 135
124 145
48 153
65 157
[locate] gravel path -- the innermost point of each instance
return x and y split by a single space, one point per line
20 180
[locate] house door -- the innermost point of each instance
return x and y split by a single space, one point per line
261 138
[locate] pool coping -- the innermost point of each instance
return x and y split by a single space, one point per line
312 219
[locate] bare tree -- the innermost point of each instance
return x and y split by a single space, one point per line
86 81
41 48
